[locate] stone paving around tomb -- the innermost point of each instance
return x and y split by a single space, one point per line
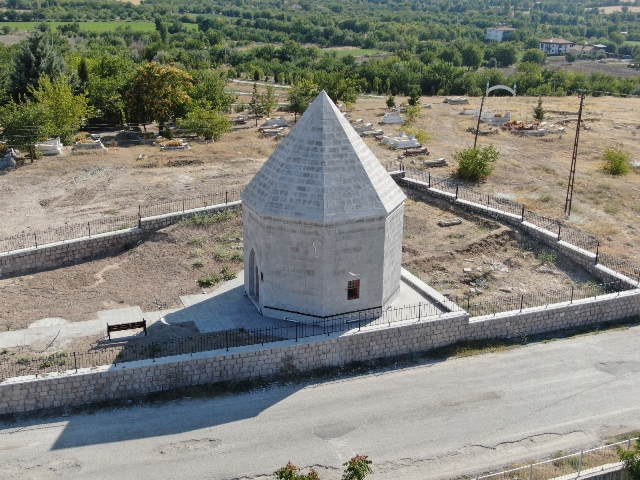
226 308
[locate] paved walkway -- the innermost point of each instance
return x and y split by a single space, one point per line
226 308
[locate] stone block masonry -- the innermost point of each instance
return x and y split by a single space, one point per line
54 255
25 394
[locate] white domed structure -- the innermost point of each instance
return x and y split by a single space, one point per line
322 223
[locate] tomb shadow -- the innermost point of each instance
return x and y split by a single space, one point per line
170 418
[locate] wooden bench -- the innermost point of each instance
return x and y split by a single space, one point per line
126 326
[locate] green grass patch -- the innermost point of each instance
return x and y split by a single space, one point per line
208 219
356 52
97 27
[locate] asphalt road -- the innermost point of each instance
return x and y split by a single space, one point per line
436 420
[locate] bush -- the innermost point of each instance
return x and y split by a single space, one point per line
615 161
631 460
476 163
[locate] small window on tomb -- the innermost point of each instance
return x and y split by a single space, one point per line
353 289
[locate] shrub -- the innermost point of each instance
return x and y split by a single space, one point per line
391 101
421 135
615 161
538 111
209 281
547 257
227 274
476 163
631 460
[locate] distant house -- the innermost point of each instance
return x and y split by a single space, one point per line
500 32
591 51
555 46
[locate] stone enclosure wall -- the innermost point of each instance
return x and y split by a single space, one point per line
54 255
25 394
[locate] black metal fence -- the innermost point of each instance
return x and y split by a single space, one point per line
619 265
116 223
174 206
68 232
564 232
14 365
541 299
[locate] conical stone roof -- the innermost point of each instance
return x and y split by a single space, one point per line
323 172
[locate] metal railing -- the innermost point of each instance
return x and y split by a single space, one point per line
541 299
68 232
184 204
564 464
561 230
114 224
112 353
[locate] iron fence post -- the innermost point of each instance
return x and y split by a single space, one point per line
559 226
531 472
523 212
597 252
456 192
580 464
521 301
296 331
226 197
35 238
226 339
75 362
429 180
468 302
183 205
419 310
89 227
571 301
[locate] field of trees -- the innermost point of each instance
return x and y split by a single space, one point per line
100 55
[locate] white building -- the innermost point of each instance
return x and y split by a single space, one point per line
322 223
555 46
500 33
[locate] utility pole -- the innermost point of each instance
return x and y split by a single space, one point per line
572 170
475 142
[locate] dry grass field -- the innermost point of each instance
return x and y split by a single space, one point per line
77 188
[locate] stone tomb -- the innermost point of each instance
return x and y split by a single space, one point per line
322 223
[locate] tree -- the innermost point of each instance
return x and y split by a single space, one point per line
476 163
339 88
615 161
35 58
570 57
471 56
290 472
300 96
268 101
414 96
538 111
209 89
159 93
83 74
506 54
255 104
534 55
205 123
63 112
22 125
391 101
631 460
357 468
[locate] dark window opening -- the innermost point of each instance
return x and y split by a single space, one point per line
261 276
353 289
